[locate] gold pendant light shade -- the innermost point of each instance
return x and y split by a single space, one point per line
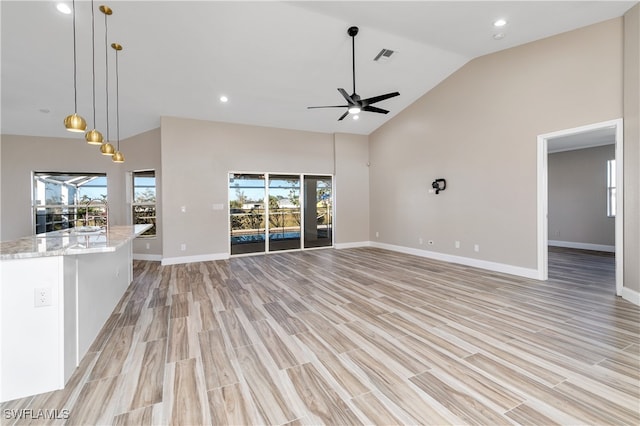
75 123
93 137
107 149
118 157
106 9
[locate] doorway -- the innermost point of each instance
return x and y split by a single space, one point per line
614 128
271 212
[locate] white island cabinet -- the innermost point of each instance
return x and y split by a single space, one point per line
57 290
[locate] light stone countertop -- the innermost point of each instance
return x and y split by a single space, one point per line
69 242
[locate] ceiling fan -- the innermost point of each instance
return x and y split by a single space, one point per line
354 103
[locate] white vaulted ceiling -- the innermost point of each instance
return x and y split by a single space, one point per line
272 59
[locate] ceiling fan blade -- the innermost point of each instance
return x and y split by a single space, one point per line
344 93
329 106
343 116
375 99
375 109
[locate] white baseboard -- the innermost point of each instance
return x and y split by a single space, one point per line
193 259
467 261
143 256
582 246
631 295
352 245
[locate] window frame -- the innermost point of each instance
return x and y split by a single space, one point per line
66 213
152 232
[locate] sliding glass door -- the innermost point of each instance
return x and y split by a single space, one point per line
297 213
247 213
284 212
318 211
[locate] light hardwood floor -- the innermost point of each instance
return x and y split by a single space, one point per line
358 336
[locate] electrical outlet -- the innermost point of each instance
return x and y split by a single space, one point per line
476 247
457 244
183 209
42 297
183 246
377 234
420 241
148 246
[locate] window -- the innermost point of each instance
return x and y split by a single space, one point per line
61 200
143 204
611 188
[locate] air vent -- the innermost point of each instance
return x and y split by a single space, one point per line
384 55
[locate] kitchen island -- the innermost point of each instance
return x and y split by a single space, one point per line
57 290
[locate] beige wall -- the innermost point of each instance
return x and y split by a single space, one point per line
632 149
198 155
22 155
478 130
142 152
577 196
352 188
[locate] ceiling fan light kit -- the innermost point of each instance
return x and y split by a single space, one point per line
355 104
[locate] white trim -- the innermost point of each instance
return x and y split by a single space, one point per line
619 220
594 145
582 246
631 295
144 256
542 197
543 208
193 259
341 246
467 261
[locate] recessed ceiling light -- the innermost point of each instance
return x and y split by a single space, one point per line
224 99
500 23
63 8
498 36
44 110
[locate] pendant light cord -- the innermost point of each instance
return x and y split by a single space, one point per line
117 102
75 66
93 58
106 67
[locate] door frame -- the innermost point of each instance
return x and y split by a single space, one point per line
543 196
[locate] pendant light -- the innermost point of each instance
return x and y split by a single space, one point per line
106 148
118 157
75 122
93 137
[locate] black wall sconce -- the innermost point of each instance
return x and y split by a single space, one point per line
439 185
